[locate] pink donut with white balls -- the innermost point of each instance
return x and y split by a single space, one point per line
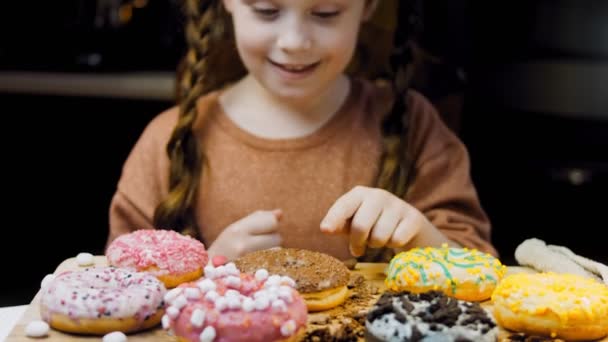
227 305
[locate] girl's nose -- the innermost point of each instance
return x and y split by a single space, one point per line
293 38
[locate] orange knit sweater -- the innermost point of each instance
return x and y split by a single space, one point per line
304 176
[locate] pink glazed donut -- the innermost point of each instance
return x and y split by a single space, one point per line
228 306
172 257
101 300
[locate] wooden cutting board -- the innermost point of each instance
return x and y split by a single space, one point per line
372 286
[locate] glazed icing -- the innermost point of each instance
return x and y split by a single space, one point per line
102 292
568 296
443 268
167 250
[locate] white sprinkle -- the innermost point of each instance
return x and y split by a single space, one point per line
233 302
206 285
232 270
37 329
115 336
210 272
279 305
198 318
166 322
261 274
47 280
85 259
273 280
221 304
220 272
248 304
285 280
211 296
273 293
180 302
208 335
172 294
261 303
232 281
232 293
288 328
192 293
285 293
172 312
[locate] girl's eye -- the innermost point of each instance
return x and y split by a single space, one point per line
326 15
266 13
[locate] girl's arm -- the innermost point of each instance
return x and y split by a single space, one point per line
443 189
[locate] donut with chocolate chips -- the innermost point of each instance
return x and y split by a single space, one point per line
429 316
320 278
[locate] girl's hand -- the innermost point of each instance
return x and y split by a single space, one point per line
377 219
254 232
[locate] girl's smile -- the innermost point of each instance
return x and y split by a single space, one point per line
292 71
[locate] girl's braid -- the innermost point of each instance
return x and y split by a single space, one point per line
206 29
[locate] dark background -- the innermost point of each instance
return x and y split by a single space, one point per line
541 167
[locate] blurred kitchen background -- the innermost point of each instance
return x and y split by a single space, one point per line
523 83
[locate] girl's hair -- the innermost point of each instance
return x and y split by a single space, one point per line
212 62
396 169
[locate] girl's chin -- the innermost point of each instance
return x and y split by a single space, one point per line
292 92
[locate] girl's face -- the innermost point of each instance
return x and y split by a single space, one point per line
296 49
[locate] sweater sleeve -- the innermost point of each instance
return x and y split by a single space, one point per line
143 181
442 188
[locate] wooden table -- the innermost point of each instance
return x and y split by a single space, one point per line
373 273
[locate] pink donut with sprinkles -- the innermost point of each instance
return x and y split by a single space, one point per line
101 300
227 305
172 257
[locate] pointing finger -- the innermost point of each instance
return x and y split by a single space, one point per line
341 211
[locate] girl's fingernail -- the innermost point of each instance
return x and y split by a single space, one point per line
326 227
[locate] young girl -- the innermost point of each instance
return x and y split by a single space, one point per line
279 140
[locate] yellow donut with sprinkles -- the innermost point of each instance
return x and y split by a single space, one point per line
462 273
566 306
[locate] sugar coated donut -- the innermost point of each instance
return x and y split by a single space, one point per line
462 273
320 278
227 305
101 300
172 257
567 306
429 316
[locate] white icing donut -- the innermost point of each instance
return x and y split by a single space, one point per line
101 300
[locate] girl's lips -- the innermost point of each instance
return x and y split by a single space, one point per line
295 71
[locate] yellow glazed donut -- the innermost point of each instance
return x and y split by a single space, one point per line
462 273
567 306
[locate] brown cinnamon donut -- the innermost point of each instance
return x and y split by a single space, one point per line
320 278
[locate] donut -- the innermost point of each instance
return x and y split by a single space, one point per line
227 305
428 316
461 273
172 257
101 300
320 278
567 306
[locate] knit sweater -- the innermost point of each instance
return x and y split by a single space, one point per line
304 176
